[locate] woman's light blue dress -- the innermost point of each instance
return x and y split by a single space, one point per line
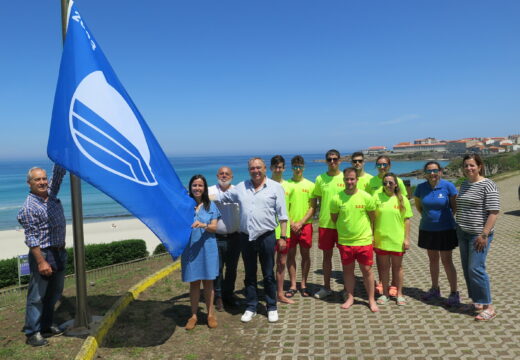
200 257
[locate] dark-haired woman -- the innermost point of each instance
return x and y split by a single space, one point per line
478 205
200 258
435 199
391 236
383 166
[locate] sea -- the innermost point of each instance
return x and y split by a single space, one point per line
99 207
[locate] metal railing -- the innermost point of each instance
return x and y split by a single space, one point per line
11 295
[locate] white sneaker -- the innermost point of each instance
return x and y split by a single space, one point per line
323 294
248 315
272 316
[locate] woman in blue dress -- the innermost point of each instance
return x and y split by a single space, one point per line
200 258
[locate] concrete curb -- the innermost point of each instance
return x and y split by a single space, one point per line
91 343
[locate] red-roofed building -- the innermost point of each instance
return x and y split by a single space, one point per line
374 150
408 147
496 149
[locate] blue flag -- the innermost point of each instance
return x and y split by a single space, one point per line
98 134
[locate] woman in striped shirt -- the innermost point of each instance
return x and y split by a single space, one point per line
478 205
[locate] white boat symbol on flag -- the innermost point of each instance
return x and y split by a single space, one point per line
107 132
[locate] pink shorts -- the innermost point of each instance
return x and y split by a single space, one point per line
288 245
303 238
384 252
363 254
327 238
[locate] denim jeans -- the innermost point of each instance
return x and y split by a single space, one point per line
263 249
474 267
42 295
228 255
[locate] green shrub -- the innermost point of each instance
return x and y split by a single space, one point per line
9 272
159 249
96 256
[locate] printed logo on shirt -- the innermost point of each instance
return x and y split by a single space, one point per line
360 206
440 196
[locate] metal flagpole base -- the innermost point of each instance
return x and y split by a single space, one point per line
81 331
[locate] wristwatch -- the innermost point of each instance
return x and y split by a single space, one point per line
484 235
283 237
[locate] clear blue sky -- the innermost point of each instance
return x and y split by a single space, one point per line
277 76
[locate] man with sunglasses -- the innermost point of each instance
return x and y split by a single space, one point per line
327 185
358 162
300 218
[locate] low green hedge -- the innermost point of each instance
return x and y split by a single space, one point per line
159 249
96 256
9 272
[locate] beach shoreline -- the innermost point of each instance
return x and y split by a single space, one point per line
12 241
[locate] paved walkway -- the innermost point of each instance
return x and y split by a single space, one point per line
315 329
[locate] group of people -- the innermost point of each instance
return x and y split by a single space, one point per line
267 219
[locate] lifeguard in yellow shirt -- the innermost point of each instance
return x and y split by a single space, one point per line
391 236
353 212
300 216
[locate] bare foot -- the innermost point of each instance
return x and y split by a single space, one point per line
348 303
283 299
373 306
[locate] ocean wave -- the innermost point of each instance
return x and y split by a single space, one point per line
12 207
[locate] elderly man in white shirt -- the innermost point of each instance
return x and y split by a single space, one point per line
228 240
262 206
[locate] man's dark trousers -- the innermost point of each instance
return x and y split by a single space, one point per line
263 249
229 253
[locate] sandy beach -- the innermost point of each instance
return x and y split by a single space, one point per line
12 241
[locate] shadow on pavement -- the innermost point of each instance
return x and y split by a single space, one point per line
514 213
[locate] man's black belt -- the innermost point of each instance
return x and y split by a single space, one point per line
224 236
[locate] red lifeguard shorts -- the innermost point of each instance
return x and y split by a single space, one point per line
363 254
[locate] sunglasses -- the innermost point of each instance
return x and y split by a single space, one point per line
431 171
385 183
357 161
297 167
382 165
332 160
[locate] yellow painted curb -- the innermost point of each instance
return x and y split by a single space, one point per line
91 344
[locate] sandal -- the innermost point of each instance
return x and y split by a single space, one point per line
290 293
486 315
471 309
400 301
379 288
305 293
382 300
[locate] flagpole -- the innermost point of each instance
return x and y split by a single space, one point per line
82 318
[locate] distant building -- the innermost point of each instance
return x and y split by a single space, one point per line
375 150
496 149
428 140
515 138
422 147
478 149
457 146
